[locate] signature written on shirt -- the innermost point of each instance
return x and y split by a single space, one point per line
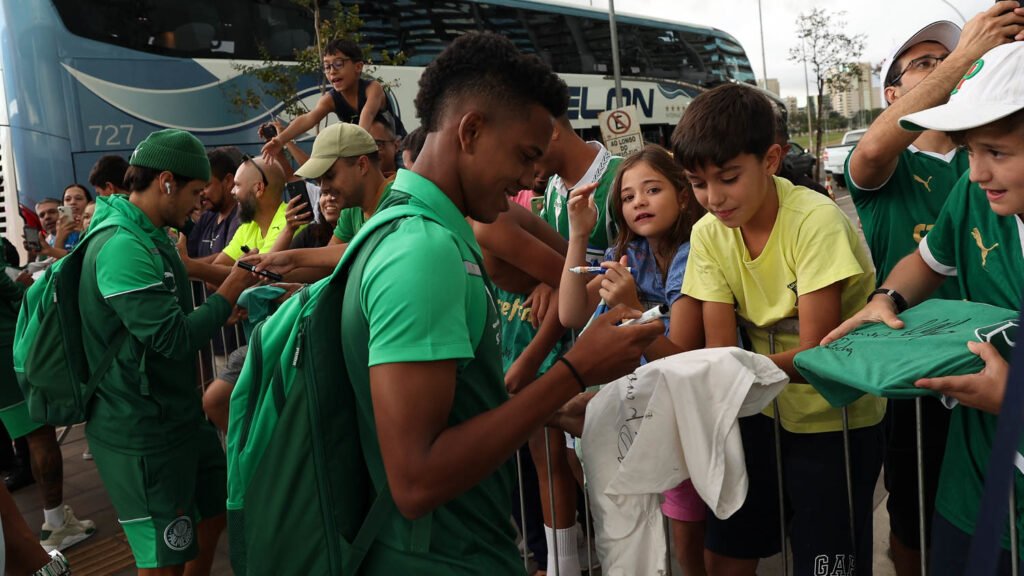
930 328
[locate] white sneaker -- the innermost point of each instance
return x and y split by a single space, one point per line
72 532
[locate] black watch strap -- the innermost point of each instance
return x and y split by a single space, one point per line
896 297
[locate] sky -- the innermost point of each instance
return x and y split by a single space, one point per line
886 23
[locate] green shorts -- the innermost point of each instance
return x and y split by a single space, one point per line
160 498
13 410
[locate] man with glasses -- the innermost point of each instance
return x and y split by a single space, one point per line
899 181
387 145
352 98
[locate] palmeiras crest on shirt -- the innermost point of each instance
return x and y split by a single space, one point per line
178 534
1002 335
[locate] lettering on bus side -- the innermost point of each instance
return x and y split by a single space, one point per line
634 98
579 105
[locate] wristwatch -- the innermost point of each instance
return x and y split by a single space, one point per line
896 297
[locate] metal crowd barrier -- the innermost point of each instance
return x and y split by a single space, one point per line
785 559
209 372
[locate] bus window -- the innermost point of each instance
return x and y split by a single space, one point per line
195 28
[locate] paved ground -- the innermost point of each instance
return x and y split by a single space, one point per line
107 553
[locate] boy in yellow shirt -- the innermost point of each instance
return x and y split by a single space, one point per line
779 261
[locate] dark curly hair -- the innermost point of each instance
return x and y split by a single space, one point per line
488 66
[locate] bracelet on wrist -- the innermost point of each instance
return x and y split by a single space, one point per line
897 299
574 372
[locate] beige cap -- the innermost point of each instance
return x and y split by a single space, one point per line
341 140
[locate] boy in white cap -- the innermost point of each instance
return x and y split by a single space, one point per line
899 181
978 240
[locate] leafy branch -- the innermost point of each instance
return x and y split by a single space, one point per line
280 81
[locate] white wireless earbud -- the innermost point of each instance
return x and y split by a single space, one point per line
167 186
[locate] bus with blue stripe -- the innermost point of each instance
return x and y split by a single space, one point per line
86 78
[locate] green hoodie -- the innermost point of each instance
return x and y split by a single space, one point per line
149 399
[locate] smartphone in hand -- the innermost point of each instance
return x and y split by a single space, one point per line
265 273
298 188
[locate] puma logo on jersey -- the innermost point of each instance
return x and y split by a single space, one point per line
926 183
976 234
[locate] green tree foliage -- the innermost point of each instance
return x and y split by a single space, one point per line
830 55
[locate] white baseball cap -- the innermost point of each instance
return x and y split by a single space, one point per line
944 32
993 88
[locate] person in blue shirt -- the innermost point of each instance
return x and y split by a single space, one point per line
654 210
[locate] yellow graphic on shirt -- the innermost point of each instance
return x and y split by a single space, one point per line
926 183
976 234
513 309
921 230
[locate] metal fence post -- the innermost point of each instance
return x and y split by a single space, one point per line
921 518
522 510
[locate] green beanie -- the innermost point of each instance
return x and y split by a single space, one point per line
176 151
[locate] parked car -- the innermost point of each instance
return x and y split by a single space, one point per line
800 160
834 157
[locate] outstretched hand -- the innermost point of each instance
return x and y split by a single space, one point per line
879 309
983 390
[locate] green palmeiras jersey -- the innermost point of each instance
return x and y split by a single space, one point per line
983 253
897 215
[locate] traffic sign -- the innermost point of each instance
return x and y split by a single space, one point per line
621 131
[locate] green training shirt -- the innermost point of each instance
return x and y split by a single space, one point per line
602 170
422 297
517 331
900 213
984 252
149 400
350 220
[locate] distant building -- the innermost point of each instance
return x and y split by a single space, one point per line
791 104
862 95
771 85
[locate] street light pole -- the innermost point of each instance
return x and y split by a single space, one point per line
764 59
616 73
807 93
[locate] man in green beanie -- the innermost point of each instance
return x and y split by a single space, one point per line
159 459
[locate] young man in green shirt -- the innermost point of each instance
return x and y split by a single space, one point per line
436 422
159 459
571 162
977 242
899 181
345 158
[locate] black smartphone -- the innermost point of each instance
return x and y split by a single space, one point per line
298 188
265 273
